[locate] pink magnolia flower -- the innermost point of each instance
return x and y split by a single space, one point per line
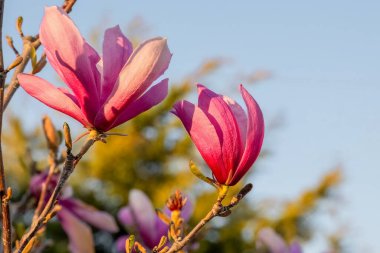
104 91
228 139
75 216
141 215
269 239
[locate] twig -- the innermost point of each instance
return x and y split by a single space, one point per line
217 210
29 42
44 190
4 196
67 169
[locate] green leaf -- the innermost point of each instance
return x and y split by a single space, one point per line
197 172
33 57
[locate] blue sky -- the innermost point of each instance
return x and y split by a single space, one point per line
324 56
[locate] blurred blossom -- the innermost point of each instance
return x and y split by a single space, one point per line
104 91
141 215
228 138
74 216
269 239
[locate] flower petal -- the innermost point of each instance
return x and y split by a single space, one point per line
240 117
255 136
149 99
146 64
125 216
72 57
80 235
272 241
295 247
145 216
203 134
120 243
51 96
228 131
116 51
91 215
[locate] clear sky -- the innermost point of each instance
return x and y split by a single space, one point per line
325 58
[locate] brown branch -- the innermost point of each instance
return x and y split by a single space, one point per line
217 210
4 196
40 221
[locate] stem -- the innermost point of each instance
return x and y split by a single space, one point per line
14 84
215 211
4 197
44 189
39 222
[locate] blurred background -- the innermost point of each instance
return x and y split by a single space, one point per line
312 67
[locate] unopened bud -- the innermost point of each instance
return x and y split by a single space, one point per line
15 63
40 65
9 41
245 190
51 134
19 26
67 136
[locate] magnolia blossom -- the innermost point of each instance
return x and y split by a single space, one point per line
274 243
74 216
228 139
104 91
141 216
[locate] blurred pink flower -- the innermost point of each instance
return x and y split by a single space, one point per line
104 91
141 215
228 139
75 215
269 239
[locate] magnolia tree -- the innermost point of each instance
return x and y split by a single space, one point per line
104 91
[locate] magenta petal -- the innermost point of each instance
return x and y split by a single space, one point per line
272 241
203 134
79 234
255 136
228 131
149 99
120 243
72 58
295 247
145 216
144 66
240 117
116 51
68 93
51 96
99 219
125 216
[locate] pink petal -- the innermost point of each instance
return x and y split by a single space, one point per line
116 51
80 235
145 216
146 64
99 219
227 128
203 134
72 58
271 240
94 59
120 243
68 93
255 136
51 96
240 117
125 216
149 99
295 247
